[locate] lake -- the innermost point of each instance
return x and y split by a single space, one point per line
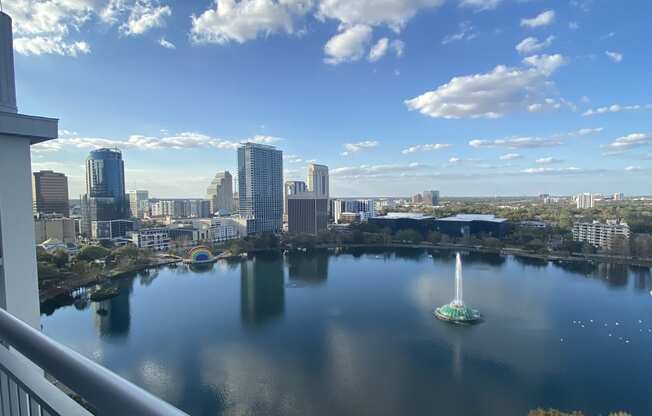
353 333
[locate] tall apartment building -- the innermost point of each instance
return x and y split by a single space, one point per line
292 188
585 200
260 187
180 208
220 194
139 203
417 199
600 234
105 198
618 196
50 193
307 213
318 182
430 198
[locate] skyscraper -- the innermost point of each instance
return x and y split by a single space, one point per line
318 180
138 203
105 198
260 183
431 198
220 193
50 193
585 201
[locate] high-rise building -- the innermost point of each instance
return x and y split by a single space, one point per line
362 208
50 193
220 194
619 196
585 201
292 188
430 198
260 183
307 214
318 180
417 199
105 198
138 203
600 234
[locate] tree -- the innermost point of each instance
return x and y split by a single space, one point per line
409 235
92 253
60 258
47 271
434 237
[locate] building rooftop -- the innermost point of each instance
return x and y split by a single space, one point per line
404 215
474 217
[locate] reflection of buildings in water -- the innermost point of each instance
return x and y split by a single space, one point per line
642 278
113 316
308 268
616 275
262 290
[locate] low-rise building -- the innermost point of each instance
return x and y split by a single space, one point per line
464 225
600 234
54 227
156 239
110 230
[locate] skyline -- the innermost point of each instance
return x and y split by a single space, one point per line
473 97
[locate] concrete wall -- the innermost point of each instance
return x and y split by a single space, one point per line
19 284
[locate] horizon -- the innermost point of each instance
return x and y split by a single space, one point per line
495 97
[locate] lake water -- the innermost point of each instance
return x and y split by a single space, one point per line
354 334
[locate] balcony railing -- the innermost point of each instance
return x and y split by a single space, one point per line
25 354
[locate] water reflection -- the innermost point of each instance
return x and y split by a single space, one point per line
310 268
262 289
112 317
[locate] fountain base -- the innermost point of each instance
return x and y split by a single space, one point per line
457 313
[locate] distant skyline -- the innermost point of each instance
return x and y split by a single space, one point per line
470 97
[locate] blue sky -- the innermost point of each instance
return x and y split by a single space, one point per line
471 97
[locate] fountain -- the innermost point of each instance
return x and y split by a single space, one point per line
456 311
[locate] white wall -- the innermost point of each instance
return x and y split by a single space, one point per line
19 287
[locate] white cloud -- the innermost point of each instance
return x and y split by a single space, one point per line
614 56
557 171
145 16
380 49
240 21
349 45
548 160
608 36
516 143
573 25
375 170
532 44
292 158
587 131
466 32
616 108
630 141
633 168
425 147
490 95
480 4
511 156
542 19
356 147
166 44
53 45
393 13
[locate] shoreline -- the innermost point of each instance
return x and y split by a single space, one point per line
74 284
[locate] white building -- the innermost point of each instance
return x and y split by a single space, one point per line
156 239
364 208
54 226
220 194
226 228
600 234
318 180
585 200
618 196
139 203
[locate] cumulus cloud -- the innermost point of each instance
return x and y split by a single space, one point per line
50 26
616 108
184 140
241 21
543 19
558 171
349 45
356 147
587 131
466 32
511 156
490 95
630 141
615 56
145 16
480 4
425 148
382 46
166 44
532 44
375 170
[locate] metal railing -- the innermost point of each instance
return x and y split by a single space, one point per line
24 390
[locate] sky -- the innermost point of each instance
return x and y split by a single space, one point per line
469 97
